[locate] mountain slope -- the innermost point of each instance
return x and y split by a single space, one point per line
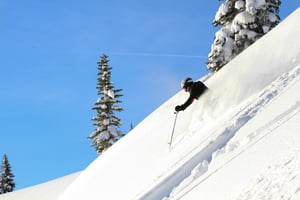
265 137
141 161
237 142
46 191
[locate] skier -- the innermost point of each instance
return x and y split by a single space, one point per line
196 89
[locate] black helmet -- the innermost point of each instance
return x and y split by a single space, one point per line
186 82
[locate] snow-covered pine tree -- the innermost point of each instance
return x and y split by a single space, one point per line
243 22
7 183
106 132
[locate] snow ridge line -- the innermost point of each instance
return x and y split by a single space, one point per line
246 112
278 121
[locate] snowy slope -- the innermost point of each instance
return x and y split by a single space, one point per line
46 191
238 141
267 146
141 166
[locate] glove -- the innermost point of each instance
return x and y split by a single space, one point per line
178 108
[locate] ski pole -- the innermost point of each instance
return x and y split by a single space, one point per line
176 113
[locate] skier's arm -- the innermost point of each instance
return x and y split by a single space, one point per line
188 102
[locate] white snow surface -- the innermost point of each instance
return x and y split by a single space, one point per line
110 93
46 191
239 141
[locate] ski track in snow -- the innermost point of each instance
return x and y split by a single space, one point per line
270 93
197 162
244 145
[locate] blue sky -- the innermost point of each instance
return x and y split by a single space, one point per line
49 51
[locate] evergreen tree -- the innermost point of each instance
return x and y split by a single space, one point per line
7 183
243 22
106 133
131 127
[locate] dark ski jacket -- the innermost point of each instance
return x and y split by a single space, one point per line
197 89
